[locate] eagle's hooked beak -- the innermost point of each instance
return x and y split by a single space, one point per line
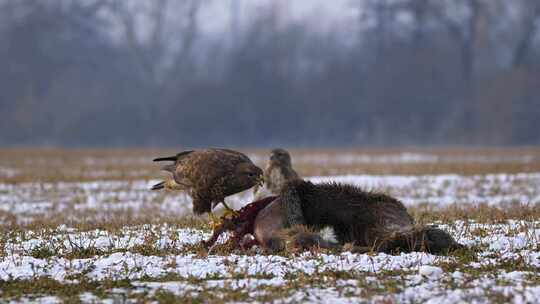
260 180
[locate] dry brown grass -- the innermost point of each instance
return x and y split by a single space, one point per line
441 167
77 165
52 165
115 221
480 213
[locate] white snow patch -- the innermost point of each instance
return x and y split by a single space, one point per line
430 272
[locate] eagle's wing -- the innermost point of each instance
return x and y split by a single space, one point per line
201 170
176 168
214 171
238 156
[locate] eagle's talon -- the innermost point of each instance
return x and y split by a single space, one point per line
230 213
215 221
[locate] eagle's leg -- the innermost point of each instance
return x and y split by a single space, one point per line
215 221
229 212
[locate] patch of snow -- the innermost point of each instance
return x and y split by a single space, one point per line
430 272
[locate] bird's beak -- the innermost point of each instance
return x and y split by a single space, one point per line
260 181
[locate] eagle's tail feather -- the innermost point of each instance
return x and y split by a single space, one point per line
168 158
173 158
158 186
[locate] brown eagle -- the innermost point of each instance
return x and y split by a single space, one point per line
209 176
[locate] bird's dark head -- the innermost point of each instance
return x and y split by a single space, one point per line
280 157
249 175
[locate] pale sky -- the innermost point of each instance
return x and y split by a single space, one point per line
214 16
319 14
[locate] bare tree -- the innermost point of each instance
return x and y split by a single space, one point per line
165 52
99 72
530 16
464 29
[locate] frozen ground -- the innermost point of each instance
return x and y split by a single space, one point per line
163 262
89 241
101 200
409 157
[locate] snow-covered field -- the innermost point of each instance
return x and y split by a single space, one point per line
115 241
76 201
163 261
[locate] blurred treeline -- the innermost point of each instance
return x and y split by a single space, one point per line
399 72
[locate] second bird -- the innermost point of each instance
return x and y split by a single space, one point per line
277 173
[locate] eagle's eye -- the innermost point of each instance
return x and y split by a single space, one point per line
251 174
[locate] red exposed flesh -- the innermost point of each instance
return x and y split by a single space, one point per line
241 224
249 212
